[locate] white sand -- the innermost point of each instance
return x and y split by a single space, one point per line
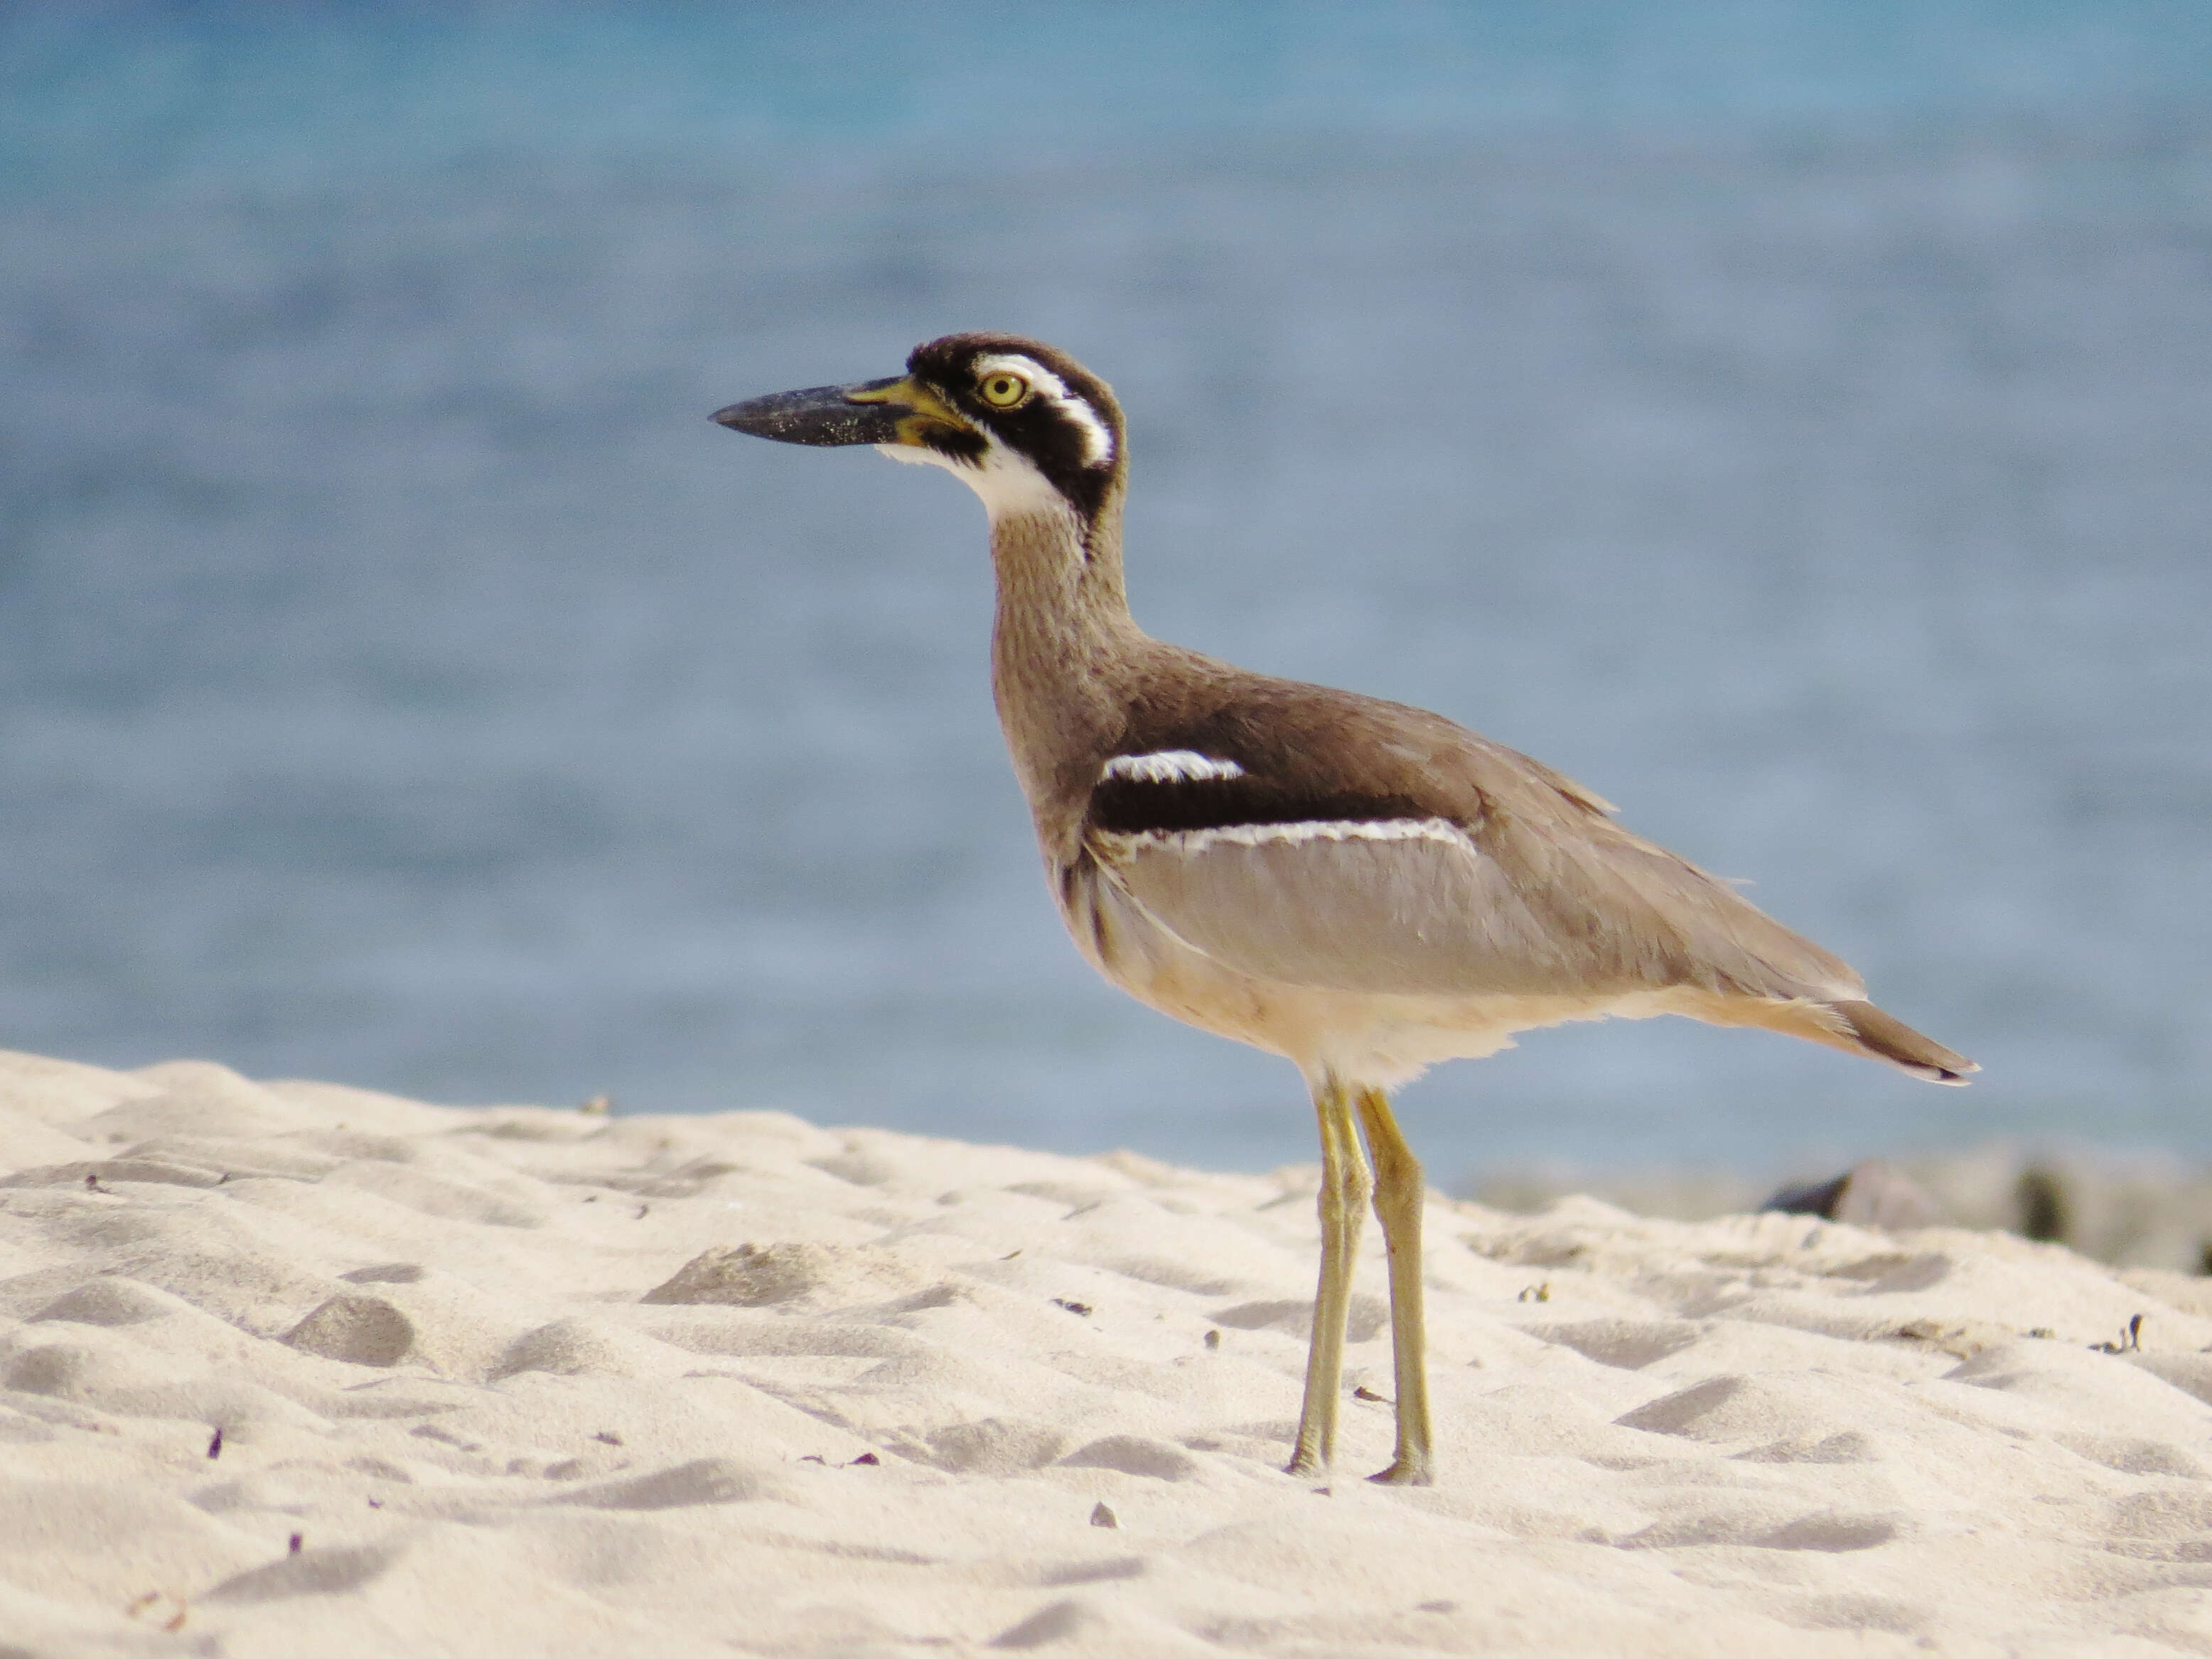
424 1336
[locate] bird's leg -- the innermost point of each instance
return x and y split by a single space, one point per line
1343 1189
1398 1200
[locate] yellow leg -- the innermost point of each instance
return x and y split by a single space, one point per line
1398 1200
1343 1189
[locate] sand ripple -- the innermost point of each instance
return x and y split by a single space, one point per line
291 1369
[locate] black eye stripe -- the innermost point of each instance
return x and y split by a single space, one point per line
1054 443
1058 442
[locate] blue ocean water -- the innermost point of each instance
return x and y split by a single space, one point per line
1794 421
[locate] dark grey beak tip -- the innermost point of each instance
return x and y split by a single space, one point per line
820 415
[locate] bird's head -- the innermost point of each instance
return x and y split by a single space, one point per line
1023 425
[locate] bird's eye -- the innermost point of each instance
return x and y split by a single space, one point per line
1005 391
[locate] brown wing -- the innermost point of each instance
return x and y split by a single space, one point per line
1341 842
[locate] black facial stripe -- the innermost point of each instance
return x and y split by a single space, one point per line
1052 441
958 443
1038 430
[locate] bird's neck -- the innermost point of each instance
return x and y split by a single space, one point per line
1062 644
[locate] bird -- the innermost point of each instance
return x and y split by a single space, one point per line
1360 886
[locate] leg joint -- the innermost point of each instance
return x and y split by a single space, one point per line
1353 1179
1394 1165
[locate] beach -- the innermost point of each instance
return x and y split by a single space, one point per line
290 1368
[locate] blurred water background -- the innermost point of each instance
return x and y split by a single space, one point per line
1793 420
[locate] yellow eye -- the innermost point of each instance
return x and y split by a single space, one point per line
1005 391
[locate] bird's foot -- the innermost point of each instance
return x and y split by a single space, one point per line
1405 1472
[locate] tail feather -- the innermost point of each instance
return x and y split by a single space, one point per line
1885 1038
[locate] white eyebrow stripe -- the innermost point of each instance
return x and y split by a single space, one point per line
1171 766
1098 441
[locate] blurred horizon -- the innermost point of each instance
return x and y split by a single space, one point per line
229 93
1792 420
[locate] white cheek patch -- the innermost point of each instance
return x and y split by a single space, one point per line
1010 486
1171 766
1098 438
916 455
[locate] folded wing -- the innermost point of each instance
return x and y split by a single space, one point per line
1400 854
1421 907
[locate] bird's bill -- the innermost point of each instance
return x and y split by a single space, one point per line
898 411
